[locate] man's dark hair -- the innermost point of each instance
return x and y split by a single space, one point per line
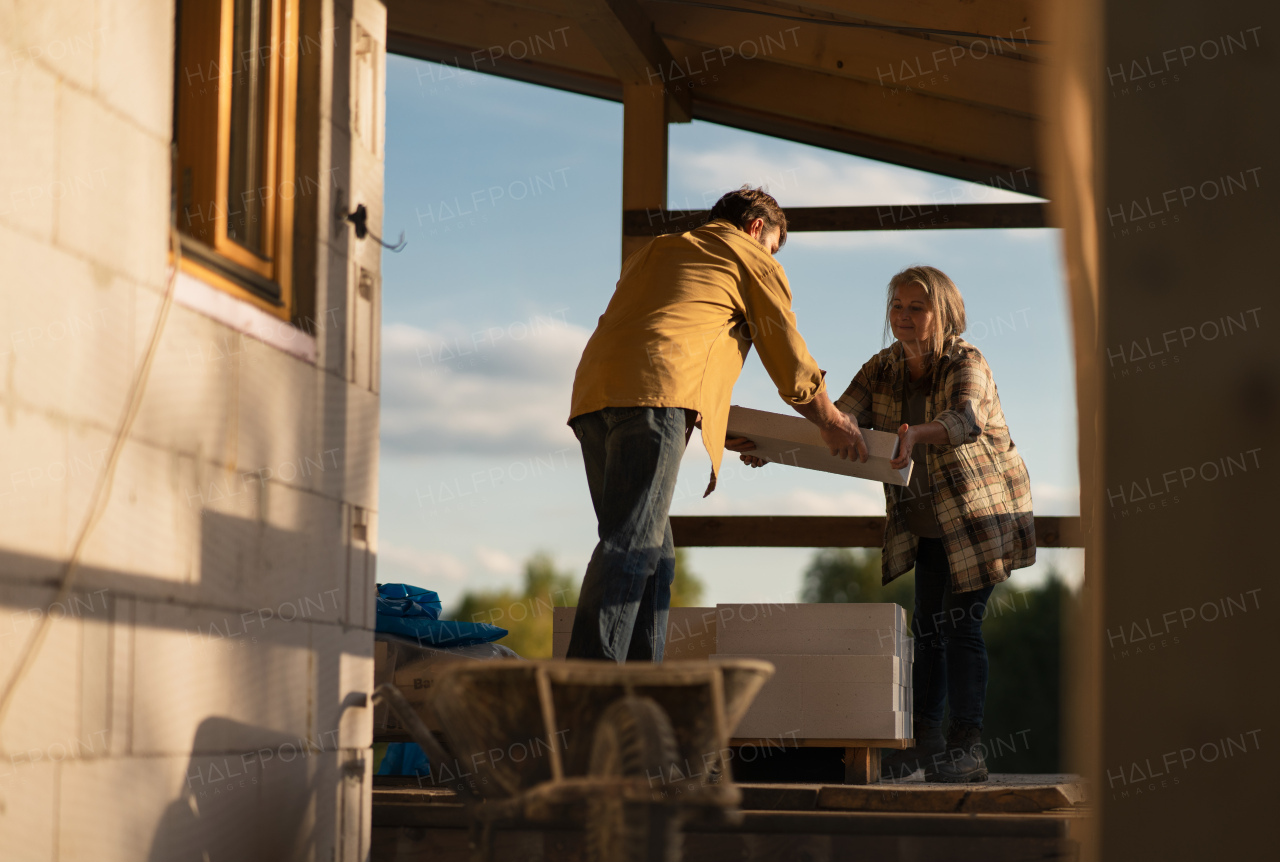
745 205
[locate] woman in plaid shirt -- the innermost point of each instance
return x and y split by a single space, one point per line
963 523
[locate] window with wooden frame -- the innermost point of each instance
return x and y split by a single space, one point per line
235 95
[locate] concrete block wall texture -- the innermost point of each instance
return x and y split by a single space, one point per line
202 691
842 671
691 633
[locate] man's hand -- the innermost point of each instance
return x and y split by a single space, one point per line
839 430
844 439
742 445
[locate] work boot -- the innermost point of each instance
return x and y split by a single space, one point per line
900 764
963 760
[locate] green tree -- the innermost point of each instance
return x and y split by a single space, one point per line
1023 631
844 575
526 614
687 589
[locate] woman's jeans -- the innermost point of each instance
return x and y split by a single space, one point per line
951 657
632 456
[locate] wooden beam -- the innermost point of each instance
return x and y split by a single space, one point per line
624 35
967 72
826 531
644 155
1006 19
652 222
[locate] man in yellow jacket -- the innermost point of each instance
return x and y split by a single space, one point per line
665 354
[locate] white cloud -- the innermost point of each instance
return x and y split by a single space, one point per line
427 565
808 178
501 390
498 562
1055 499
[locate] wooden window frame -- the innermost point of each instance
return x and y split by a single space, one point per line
205 61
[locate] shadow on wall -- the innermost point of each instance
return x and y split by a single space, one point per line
255 805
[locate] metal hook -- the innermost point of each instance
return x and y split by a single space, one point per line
360 218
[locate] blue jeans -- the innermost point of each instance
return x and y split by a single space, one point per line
632 456
951 656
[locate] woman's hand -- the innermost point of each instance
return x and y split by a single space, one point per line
742 445
907 435
910 435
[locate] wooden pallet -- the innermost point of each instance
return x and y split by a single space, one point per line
861 756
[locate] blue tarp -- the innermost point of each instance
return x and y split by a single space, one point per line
413 612
404 758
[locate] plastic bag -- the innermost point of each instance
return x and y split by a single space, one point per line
413 612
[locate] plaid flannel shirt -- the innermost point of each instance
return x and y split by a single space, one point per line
981 490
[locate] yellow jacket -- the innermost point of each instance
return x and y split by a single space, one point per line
682 319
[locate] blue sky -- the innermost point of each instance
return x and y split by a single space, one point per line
510 196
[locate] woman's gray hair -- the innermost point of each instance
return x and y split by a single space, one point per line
945 298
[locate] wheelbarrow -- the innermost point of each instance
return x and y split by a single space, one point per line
642 748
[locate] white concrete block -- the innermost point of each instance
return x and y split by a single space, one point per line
562 619
119 217
28 811
69 349
760 616
191 403
838 670
137 45
288 562
34 474
43 722
344 675
852 697
878 725
794 441
28 182
122 666
560 644
147 529
829 697
281 393
235 805
350 426
251 673
63 37
856 642
362 556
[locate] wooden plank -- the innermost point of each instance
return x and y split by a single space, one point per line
953 799
983 74
1004 18
827 531
861 766
625 36
802 742
644 154
925 216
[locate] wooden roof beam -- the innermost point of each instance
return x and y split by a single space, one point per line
1004 19
974 74
916 216
625 36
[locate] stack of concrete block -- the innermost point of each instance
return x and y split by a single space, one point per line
691 633
843 670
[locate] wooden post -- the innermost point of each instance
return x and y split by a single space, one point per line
644 155
862 766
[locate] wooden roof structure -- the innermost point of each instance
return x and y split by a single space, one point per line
939 85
